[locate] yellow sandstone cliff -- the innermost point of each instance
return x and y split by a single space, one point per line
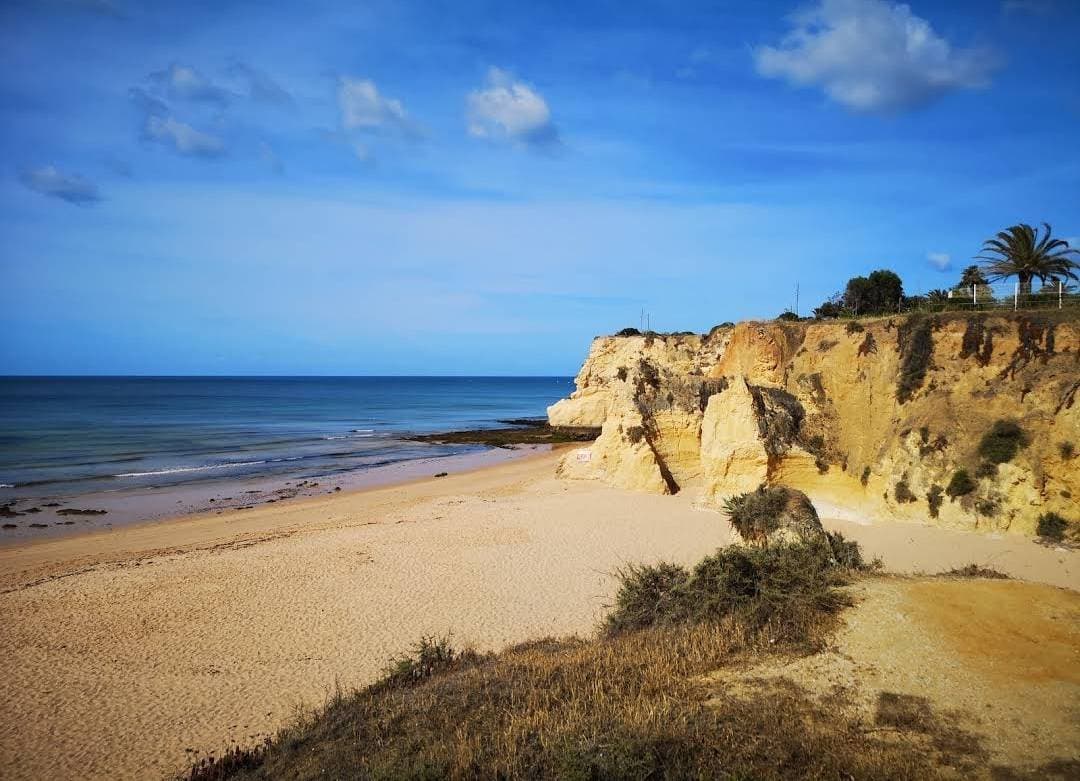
873 420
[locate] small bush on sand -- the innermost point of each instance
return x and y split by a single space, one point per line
1067 450
865 477
629 332
786 591
755 515
649 595
1002 442
961 484
848 554
975 571
1052 526
854 327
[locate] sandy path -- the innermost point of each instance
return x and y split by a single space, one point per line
125 652
998 658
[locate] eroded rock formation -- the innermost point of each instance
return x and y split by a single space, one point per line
873 420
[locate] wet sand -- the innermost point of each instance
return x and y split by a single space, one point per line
130 652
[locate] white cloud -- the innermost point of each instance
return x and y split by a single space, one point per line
182 82
364 108
872 56
67 187
508 110
942 261
182 137
261 86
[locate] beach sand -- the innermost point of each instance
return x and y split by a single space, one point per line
129 653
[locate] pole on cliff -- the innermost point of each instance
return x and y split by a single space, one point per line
796 299
1061 286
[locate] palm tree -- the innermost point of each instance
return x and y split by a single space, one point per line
1021 252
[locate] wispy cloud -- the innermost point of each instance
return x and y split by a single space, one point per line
260 85
942 261
510 111
48 180
182 138
182 82
872 56
364 108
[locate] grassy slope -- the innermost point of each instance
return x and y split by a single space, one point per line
631 703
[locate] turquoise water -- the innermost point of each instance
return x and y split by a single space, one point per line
64 436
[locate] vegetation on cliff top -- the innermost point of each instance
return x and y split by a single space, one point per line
1019 251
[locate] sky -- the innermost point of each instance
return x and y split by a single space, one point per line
399 187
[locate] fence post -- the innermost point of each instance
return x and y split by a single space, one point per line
974 298
1016 297
1060 287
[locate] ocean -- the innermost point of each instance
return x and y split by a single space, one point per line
83 438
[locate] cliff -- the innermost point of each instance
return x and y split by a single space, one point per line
970 421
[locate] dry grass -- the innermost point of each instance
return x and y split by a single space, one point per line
631 706
634 702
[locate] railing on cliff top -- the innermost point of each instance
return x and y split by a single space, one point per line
1001 296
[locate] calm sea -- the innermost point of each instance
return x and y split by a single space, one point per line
63 437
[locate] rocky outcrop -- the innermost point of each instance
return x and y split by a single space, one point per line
873 420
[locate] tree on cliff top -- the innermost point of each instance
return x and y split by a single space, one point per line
1021 252
877 294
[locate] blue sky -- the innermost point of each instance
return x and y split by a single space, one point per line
481 187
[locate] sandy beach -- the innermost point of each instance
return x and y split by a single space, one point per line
129 653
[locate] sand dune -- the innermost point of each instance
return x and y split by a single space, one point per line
128 652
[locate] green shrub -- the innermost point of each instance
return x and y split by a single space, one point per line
649 373
629 332
903 493
621 373
847 553
788 316
986 469
431 656
1002 442
916 337
854 327
755 515
786 590
648 596
1052 526
934 499
865 477
975 571
1067 450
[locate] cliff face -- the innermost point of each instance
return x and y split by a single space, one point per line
872 420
